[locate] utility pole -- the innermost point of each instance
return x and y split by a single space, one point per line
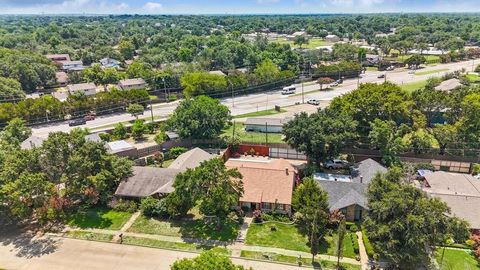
266 134
233 95
165 89
151 109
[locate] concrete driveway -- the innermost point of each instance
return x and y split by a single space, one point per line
51 253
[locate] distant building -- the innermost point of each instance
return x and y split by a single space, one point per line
270 125
109 63
58 57
332 38
130 84
60 95
89 89
72 65
449 85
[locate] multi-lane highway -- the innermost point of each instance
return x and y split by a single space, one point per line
262 101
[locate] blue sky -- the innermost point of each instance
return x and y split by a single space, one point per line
232 6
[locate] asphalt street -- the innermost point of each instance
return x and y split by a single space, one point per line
267 100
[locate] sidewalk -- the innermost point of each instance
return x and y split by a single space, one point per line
363 252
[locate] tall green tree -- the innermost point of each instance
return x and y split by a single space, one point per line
312 211
387 137
320 135
199 118
126 48
403 222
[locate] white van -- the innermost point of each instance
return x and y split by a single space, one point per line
289 90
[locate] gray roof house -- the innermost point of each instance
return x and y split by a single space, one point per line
348 194
35 141
129 84
265 124
153 181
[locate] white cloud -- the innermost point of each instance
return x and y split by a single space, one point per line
153 6
263 2
71 6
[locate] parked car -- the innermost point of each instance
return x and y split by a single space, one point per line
411 72
334 84
77 122
381 76
390 68
89 117
337 164
339 81
313 102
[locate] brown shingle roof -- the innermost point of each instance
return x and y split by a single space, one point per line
190 159
265 182
147 181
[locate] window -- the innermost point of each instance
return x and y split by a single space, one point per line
266 205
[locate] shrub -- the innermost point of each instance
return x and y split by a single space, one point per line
106 137
273 228
126 206
172 97
470 243
152 207
368 246
354 239
150 127
175 152
257 216
160 137
354 228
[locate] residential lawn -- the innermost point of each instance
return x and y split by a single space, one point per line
289 237
185 228
473 78
146 242
410 87
294 260
260 113
99 218
312 43
253 137
402 58
83 235
457 259
168 162
430 71
372 68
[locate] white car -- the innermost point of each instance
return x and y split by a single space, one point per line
289 90
313 102
334 84
337 164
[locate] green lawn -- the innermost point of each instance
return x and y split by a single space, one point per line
253 137
289 237
457 259
294 260
83 235
430 71
402 58
410 87
99 218
168 162
312 43
260 113
185 228
146 242
473 78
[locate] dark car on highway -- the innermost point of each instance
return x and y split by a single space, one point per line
77 122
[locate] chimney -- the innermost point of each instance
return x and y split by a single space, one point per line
286 170
361 179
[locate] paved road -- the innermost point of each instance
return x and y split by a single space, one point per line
71 254
262 101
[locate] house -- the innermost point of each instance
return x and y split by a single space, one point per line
88 89
371 59
157 182
130 84
270 125
72 65
58 57
461 192
347 193
60 95
109 63
61 78
122 148
448 85
332 38
268 185
36 141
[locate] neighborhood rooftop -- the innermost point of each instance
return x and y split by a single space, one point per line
266 121
137 81
190 159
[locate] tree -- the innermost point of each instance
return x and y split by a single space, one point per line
10 89
324 80
215 187
320 135
199 118
446 135
403 221
415 60
119 131
135 109
110 76
267 71
387 137
311 204
138 129
202 83
207 260
300 40
126 48
342 229
152 207
16 132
